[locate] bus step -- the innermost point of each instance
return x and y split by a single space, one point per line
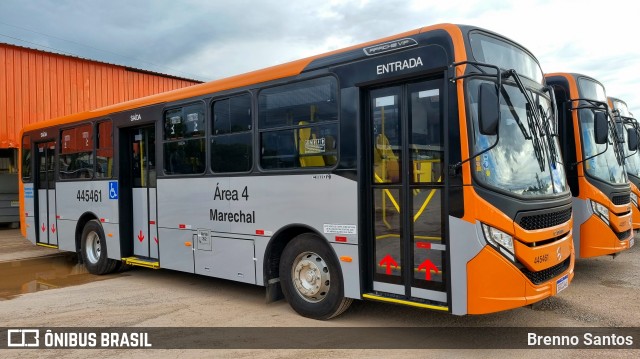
47 245
142 262
380 298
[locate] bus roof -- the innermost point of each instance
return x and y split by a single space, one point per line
255 77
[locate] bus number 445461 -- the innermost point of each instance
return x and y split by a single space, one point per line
88 195
541 259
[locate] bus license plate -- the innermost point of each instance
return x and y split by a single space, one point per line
562 283
632 242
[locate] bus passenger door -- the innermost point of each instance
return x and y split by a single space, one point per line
407 249
46 194
143 169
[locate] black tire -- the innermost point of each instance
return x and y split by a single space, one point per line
309 257
94 249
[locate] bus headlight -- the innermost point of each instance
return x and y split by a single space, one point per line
498 239
601 211
634 199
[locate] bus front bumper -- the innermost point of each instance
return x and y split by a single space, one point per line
495 284
598 239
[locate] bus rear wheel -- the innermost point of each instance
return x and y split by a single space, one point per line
311 278
94 249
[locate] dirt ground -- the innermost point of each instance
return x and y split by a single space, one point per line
604 293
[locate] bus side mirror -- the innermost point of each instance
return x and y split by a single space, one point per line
489 111
601 128
632 139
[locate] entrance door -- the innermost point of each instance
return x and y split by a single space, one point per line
143 169
47 226
406 192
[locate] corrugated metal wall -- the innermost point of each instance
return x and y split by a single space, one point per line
37 86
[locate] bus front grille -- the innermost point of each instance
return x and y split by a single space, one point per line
621 199
546 274
545 220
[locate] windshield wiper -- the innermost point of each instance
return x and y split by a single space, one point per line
507 99
617 145
535 129
551 143
614 136
533 118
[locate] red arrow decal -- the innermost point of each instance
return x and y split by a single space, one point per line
155 239
44 228
141 236
427 265
388 261
53 228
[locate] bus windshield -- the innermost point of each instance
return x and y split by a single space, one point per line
498 52
632 161
604 164
632 158
520 163
622 108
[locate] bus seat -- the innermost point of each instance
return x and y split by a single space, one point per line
385 161
304 135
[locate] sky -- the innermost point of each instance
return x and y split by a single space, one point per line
207 40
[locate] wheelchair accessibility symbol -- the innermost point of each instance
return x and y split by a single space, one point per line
113 190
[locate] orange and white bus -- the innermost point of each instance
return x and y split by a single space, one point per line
594 158
632 157
406 170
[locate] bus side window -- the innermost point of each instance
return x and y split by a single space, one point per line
184 142
76 153
278 149
104 150
232 135
306 114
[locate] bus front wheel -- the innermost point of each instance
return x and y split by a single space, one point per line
94 249
311 278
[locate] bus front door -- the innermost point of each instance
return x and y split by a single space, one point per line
407 250
46 192
143 170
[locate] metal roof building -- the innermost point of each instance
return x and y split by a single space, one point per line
36 85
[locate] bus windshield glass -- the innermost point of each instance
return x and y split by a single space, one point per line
494 51
591 90
632 161
622 108
632 158
604 164
521 163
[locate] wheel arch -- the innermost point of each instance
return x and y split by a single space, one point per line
273 252
82 222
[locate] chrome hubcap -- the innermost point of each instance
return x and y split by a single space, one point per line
93 247
311 277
